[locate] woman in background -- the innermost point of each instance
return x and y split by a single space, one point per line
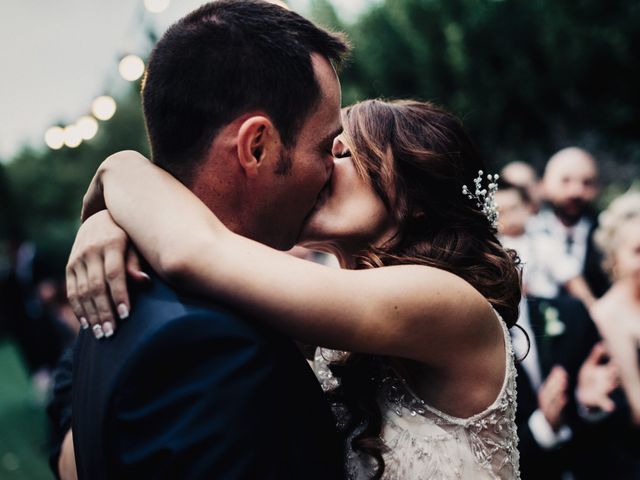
617 316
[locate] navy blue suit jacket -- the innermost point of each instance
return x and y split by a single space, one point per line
568 350
193 391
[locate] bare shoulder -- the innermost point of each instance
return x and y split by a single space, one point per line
437 288
439 304
605 310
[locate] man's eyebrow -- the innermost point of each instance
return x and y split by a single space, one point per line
332 135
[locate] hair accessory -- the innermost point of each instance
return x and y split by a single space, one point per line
485 198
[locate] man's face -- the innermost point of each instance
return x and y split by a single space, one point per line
291 195
513 212
571 185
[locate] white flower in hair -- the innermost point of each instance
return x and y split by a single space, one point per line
485 197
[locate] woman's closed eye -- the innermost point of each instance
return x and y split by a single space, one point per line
342 154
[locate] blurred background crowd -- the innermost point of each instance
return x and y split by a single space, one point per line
547 90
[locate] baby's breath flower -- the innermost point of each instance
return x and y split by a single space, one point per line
485 197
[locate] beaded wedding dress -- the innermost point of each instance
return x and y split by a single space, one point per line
425 443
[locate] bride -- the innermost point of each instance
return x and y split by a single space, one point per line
424 298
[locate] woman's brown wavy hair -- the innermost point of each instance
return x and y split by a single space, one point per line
417 157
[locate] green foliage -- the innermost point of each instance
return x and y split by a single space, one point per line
528 77
47 186
23 443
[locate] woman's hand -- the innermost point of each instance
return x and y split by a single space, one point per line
100 259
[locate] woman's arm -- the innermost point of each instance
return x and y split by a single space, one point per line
623 349
622 346
579 288
407 311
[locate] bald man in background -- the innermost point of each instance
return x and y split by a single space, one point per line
570 186
555 433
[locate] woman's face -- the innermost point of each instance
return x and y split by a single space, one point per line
627 255
349 214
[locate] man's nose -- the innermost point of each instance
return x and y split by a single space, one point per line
576 189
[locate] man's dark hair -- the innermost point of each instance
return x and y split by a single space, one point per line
226 58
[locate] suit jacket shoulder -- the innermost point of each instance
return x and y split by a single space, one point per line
187 390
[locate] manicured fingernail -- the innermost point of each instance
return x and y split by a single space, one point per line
145 276
84 323
107 327
98 332
123 311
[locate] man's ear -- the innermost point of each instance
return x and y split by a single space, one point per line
258 144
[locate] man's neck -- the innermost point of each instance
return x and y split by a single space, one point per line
224 203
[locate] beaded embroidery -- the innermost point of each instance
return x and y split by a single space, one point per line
425 443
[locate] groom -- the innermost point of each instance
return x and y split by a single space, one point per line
241 103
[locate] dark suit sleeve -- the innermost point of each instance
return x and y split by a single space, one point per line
531 453
197 401
59 408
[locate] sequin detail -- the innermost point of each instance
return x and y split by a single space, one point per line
425 443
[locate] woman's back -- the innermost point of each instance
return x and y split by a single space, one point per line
423 442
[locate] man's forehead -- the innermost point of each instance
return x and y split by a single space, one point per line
573 168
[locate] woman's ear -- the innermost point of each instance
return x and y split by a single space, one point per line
258 144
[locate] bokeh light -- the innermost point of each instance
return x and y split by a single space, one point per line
156 6
88 127
131 67
280 3
103 107
72 136
54 138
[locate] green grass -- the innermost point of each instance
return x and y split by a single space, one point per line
23 440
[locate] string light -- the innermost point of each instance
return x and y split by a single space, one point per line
72 136
103 107
279 3
88 127
54 138
131 67
156 6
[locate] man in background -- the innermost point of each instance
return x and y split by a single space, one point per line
567 220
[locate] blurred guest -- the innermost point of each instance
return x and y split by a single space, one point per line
567 221
560 338
523 175
546 269
617 315
25 317
313 256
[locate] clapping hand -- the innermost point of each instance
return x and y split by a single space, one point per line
597 378
552 396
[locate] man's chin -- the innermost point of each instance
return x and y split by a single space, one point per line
307 235
311 235
571 213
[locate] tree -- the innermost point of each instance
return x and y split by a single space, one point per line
46 187
527 78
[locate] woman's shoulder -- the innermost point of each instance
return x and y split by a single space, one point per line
604 310
416 277
610 312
